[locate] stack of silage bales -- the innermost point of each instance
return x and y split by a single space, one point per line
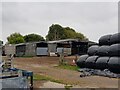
106 55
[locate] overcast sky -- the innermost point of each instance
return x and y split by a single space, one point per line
93 19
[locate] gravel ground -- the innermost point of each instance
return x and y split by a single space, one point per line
45 66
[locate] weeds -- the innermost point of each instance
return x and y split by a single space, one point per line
47 78
68 67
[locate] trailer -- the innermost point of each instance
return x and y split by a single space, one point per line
21 79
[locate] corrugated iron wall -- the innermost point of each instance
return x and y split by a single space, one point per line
30 49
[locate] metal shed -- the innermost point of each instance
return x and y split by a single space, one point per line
20 49
26 49
41 49
68 46
32 49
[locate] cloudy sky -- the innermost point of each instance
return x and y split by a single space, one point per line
93 19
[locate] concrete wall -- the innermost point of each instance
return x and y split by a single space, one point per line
10 49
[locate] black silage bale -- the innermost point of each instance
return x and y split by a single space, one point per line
90 62
93 50
102 63
114 50
114 64
81 61
115 38
105 40
103 50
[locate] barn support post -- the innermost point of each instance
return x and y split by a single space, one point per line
62 60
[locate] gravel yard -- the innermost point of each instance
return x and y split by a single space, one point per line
46 66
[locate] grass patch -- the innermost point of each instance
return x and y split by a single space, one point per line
47 78
68 67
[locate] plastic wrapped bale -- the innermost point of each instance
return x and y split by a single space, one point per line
90 62
105 40
81 61
93 50
102 63
115 38
114 64
103 50
114 50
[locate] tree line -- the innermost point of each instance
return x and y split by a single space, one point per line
56 32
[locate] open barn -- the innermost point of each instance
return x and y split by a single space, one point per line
32 49
68 46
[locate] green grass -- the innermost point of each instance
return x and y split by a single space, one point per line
46 78
68 67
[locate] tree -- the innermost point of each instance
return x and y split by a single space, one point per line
69 33
57 32
15 38
33 38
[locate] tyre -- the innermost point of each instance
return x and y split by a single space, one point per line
90 62
105 40
102 63
114 64
115 38
114 50
81 61
93 50
103 51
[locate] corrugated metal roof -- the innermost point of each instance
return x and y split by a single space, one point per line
56 41
64 40
30 43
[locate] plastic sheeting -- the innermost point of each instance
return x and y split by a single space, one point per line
105 40
103 51
93 50
81 61
115 38
114 64
106 56
102 63
105 73
90 62
16 82
114 50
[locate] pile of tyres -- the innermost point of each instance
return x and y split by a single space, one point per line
105 55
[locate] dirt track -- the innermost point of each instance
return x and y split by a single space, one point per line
45 66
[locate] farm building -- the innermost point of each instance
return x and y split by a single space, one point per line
68 46
8 49
42 48
20 49
32 49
